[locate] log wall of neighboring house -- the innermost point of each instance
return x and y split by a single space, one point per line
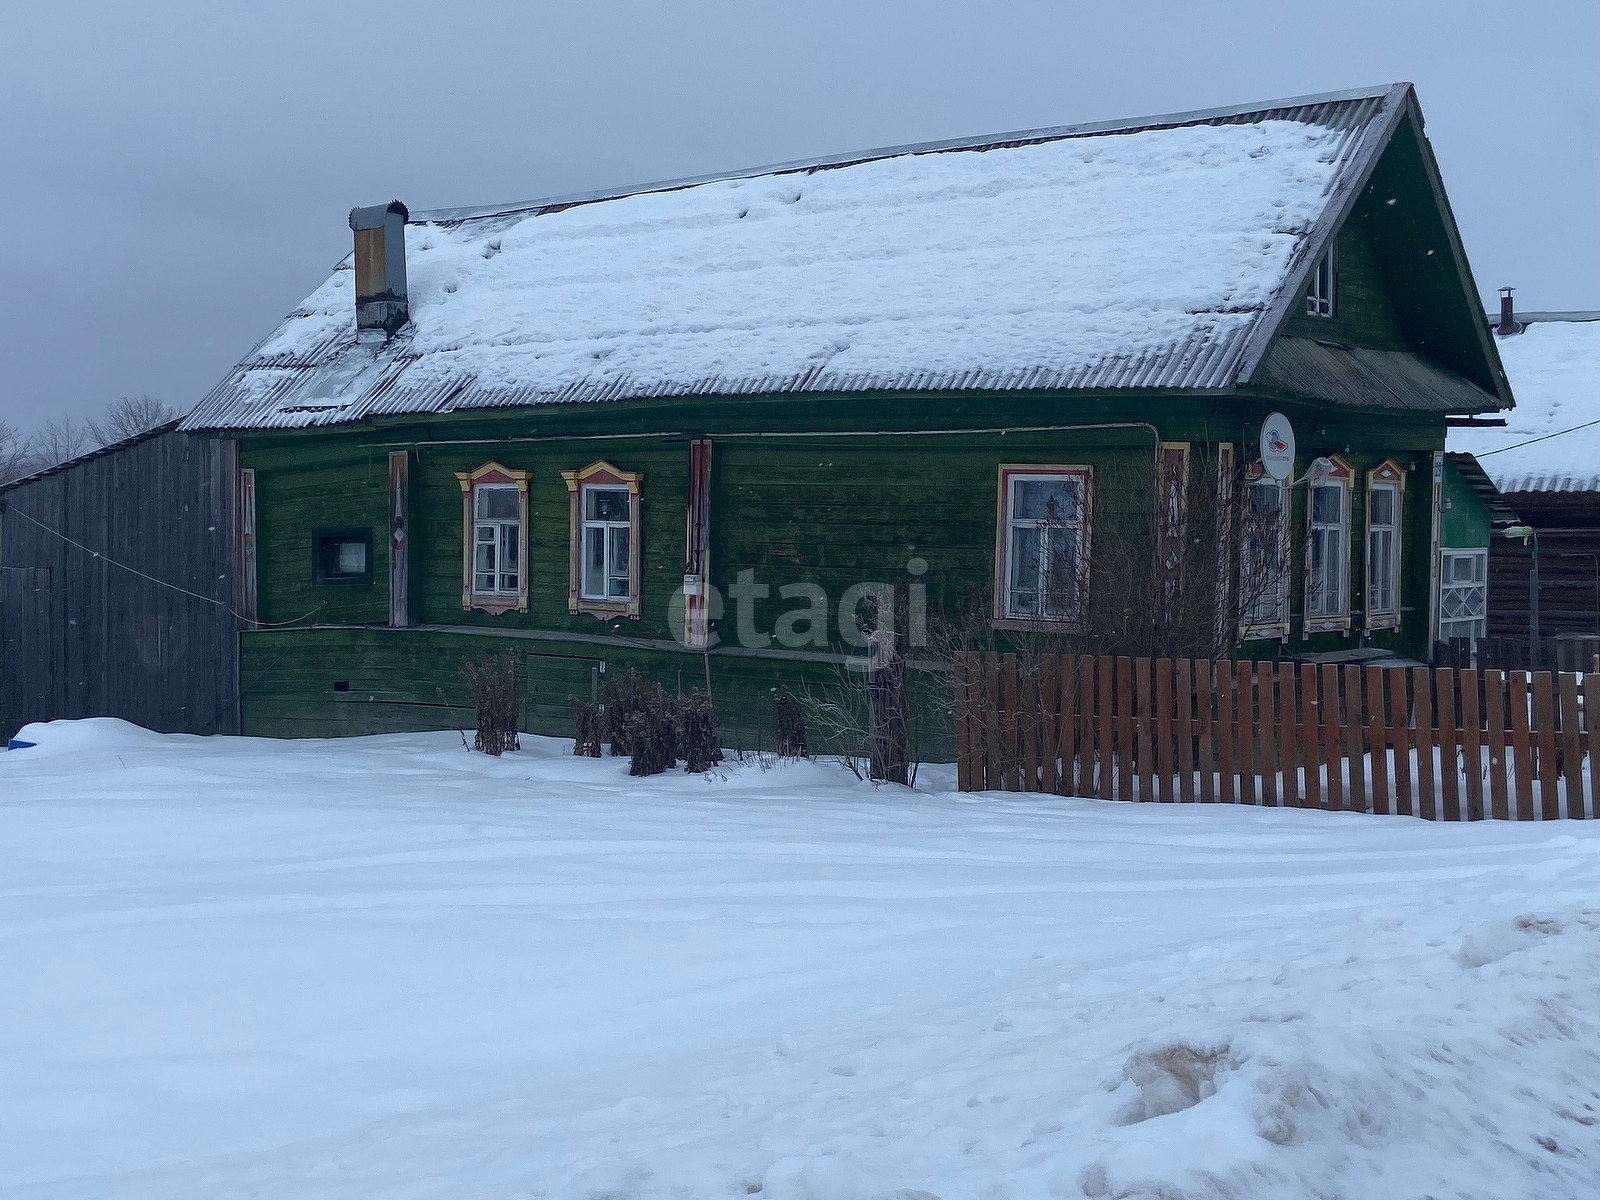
1568 524
81 636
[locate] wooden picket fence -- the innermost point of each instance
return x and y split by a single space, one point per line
1438 744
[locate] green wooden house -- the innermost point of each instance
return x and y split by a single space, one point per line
687 428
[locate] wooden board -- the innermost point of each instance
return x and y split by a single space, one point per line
1266 737
1205 697
1544 720
1427 782
1184 685
1249 771
1311 735
1049 722
1377 741
1494 699
1471 745
1591 710
1145 721
1354 737
1165 730
1518 700
1449 739
1226 733
1105 739
1332 742
1400 734
1124 702
1571 744
1288 739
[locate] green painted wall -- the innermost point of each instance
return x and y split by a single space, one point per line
1365 315
1466 521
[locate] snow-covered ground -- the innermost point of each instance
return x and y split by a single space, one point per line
391 968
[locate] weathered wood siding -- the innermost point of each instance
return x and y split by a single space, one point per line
81 637
806 507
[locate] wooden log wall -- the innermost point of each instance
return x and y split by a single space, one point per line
82 637
1438 744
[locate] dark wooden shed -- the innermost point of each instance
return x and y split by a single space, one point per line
118 590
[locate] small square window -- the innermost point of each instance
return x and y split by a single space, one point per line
1321 292
341 556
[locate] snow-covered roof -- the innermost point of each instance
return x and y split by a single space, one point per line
1551 442
1156 253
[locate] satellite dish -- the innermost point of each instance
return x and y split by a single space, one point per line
1277 446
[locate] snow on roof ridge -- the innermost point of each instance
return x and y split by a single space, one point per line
975 142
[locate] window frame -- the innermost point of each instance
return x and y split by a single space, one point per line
1387 476
1338 619
1480 554
493 474
340 534
1322 289
597 475
1251 628
1009 475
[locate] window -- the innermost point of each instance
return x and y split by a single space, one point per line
1328 551
496 539
494 507
341 556
1463 593
1263 561
1384 486
1043 551
606 543
1321 298
606 507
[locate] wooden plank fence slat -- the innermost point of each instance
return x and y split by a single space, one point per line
1571 744
1311 736
1377 741
1266 736
1521 744
991 722
1226 734
964 738
1143 753
1164 730
1050 722
1205 695
1544 719
1471 744
1028 721
1288 741
1124 703
1105 742
1427 784
1244 688
1400 733
1010 731
1084 672
1494 717
1449 738
1185 699
1334 753
1591 714
1354 735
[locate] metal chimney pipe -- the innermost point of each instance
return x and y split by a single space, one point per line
1508 320
380 253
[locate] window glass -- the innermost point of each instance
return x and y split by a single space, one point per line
498 503
1463 594
1044 546
606 504
594 562
617 562
1262 565
497 538
1325 592
352 558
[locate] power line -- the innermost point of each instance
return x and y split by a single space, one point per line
1543 438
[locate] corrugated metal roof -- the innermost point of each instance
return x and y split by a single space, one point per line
314 371
1360 378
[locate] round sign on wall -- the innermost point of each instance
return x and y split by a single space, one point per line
1277 446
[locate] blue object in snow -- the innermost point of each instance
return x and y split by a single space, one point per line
19 744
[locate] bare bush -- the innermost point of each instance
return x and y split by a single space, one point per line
589 730
496 687
791 723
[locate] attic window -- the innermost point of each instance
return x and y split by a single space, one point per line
1320 296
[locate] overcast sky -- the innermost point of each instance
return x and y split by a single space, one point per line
177 177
